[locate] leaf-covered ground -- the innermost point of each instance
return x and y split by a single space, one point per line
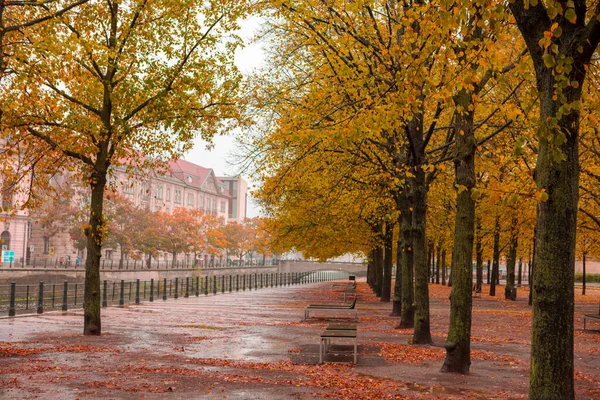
253 345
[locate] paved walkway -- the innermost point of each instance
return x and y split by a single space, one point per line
253 345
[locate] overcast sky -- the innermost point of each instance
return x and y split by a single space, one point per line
219 158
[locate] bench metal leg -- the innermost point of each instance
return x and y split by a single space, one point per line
321 351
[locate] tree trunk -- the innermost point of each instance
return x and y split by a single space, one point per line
519 279
556 172
458 343
489 271
479 258
174 259
444 267
552 370
496 265
583 277
371 269
378 271
122 256
510 292
430 261
407 317
91 312
437 265
530 278
397 297
388 261
422 332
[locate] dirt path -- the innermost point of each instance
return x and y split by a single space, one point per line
253 345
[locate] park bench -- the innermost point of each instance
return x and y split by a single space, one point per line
595 317
337 332
347 289
344 286
332 307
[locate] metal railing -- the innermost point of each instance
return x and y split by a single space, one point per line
131 264
26 299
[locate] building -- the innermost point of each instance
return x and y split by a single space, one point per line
238 197
185 184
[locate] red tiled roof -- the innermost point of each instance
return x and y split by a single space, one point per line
181 169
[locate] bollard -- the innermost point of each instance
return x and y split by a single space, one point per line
40 307
152 289
230 283
206 285
261 280
27 298
214 284
249 281
244 282
197 286
176 288
53 293
165 289
137 291
65 290
222 283
122 294
104 302
11 307
237 282
187 286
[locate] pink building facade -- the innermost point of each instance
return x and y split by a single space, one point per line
184 185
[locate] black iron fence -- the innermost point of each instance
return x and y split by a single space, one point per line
26 299
131 264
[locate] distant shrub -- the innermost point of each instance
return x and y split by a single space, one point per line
588 277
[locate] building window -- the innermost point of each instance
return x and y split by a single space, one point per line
222 206
214 205
145 192
128 187
159 192
177 196
190 200
5 240
168 195
7 198
46 245
201 202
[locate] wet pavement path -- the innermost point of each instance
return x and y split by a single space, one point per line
253 345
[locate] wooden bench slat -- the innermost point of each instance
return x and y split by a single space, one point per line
341 327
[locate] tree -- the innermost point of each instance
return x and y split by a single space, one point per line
239 239
561 38
120 83
182 231
122 221
59 213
